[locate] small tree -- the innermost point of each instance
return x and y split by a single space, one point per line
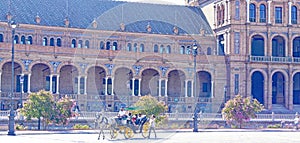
241 109
63 111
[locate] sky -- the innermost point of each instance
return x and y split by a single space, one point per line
176 2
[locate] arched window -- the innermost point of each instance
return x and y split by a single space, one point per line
182 50
161 49
58 42
296 47
294 15
129 47
257 46
155 49
29 38
107 45
73 43
45 41
278 15
87 44
208 52
252 13
168 49
16 39
52 42
1 37
102 45
262 13
23 40
142 48
115 46
278 47
188 50
80 44
135 47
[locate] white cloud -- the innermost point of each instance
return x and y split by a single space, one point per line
172 2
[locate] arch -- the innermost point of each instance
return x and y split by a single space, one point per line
257 86
45 41
208 52
252 12
40 62
262 13
73 44
29 38
176 84
68 84
155 48
182 50
123 83
188 50
135 48
58 42
161 49
23 39
296 47
168 49
52 43
294 15
87 44
278 46
80 44
101 45
149 82
257 45
129 47
16 39
296 88
278 88
7 74
142 48
203 84
1 37
108 45
40 77
115 46
96 81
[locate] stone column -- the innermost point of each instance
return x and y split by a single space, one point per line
290 12
29 75
225 13
133 86
139 86
212 89
112 86
248 7
270 89
106 79
166 89
186 88
159 87
192 87
0 82
291 85
228 12
50 89
78 85
57 84
269 11
85 83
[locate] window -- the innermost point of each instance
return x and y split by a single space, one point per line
296 47
208 51
142 48
278 46
73 43
1 37
182 50
108 45
101 45
236 43
204 87
23 40
257 45
52 42
155 49
135 47
161 49
129 47
29 38
45 41
252 13
236 84
115 46
278 15
58 42
79 43
262 13
87 44
188 50
16 39
237 10
168 49
294 15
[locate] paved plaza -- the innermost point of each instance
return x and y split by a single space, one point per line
182 136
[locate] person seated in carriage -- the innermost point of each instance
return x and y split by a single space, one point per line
141 120
122 115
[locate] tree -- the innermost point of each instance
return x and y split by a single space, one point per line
241 109
41 105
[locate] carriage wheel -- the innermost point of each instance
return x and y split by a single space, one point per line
128 133
113 133
145 131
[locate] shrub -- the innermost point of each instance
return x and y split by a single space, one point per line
274 126
20 127
80 127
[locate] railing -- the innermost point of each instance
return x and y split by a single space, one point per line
181 116
274 59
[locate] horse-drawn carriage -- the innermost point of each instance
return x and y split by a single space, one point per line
117 126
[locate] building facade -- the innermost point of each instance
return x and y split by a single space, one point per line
106 54
260 40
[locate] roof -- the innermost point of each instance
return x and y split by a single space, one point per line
108 14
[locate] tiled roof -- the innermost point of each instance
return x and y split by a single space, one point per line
108 14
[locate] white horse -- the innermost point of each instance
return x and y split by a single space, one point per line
102 122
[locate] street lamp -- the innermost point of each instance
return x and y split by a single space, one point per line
11 122
195 47
21 98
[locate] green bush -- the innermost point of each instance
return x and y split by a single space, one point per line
20 127
80 127
274 126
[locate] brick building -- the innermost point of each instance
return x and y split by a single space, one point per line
105 53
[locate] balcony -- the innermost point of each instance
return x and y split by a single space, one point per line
270 59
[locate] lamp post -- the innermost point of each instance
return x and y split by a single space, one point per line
11 122
195 47
21 98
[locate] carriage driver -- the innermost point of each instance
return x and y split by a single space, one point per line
122 114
